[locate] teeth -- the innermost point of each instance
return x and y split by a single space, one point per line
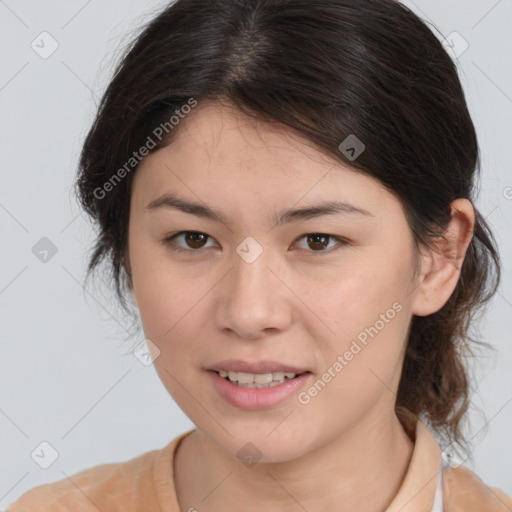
245 378
257 380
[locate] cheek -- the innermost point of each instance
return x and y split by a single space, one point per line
172 306
170 313
355 298
368 312
161 298
361 364
169 306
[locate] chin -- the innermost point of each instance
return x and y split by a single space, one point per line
253 444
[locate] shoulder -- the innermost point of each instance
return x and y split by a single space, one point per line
465 491
113 486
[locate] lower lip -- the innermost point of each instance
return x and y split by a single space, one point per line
257 398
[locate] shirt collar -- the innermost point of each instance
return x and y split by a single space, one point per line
418 489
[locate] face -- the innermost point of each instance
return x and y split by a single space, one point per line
324 294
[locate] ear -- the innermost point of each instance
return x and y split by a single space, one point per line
441 266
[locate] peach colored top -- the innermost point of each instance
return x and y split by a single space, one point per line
146 483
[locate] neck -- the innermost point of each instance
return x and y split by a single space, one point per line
360 470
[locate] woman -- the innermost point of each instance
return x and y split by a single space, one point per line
285 189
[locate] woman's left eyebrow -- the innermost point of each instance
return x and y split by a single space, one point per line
284 217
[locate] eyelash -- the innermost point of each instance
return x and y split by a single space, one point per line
170 242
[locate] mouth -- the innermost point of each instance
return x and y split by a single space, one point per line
257 386
258 380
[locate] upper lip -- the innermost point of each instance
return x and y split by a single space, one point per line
236 365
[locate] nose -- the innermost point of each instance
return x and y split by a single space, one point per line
254 299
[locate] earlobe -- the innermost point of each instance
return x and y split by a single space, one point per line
442 265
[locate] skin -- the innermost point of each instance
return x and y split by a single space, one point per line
345 449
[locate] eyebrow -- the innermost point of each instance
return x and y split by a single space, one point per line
283 217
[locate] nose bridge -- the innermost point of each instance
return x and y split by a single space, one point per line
255 298
251 276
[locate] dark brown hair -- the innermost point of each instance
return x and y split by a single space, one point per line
327 69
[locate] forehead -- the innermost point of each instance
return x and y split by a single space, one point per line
221 153
219 127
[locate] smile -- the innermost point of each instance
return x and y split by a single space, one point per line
257 391
257 380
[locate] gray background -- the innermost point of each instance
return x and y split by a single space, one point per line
66 376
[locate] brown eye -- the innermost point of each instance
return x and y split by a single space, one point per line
318 241
191 241
195 240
